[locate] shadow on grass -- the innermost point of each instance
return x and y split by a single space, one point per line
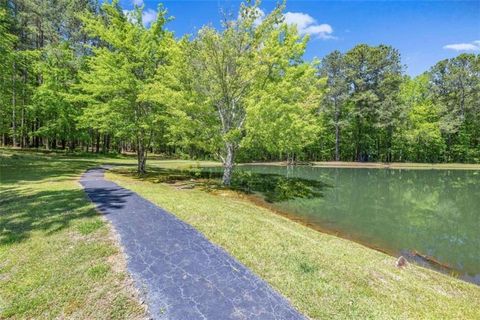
20 167
25 211
29 168
272 187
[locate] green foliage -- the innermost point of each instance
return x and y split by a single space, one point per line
81 75
374 74
120 73
281 114
251 87
419 137
455 84
59 69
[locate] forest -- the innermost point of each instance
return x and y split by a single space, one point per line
82 76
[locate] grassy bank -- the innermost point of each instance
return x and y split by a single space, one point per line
325 277
58 257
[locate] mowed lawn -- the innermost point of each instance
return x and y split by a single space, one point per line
324 276
58 257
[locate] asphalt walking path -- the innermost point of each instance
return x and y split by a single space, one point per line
181 274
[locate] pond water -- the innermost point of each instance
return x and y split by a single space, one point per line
435 213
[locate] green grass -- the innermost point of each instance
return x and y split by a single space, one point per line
58 258
324 276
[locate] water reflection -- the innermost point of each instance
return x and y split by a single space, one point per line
435 213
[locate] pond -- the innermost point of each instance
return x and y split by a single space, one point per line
430 216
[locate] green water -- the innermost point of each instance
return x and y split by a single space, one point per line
435 212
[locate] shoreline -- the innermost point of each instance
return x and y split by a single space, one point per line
376 165
412 256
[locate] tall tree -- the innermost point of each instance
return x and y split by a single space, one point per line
119 72
8 41
59 69
333 67
281 113
374 74
419 137
228 65
456 86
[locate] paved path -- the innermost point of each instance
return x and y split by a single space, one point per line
182 274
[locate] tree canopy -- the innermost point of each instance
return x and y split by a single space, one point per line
91 77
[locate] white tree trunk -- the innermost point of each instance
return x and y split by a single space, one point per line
228 164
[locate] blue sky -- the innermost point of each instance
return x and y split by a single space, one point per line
423 31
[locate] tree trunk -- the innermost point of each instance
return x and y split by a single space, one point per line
337 136
228 164
97 146
141 158
104 144
14 102
290 159
23 138
37 138
108 143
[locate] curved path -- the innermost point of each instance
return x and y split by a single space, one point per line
180 272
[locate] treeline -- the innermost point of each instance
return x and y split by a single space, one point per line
78 75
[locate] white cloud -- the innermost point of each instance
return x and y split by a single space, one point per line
148 16
306 24
137 2
302 20
472 46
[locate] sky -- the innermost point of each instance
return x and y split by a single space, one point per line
424 32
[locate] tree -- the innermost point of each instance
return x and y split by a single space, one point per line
59 69
374 74
455 84
334 69
419 137
227 67
281 114
8 42
119 73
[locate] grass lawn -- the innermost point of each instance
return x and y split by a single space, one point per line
58 257
325 277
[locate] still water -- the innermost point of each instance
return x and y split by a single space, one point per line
433 212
